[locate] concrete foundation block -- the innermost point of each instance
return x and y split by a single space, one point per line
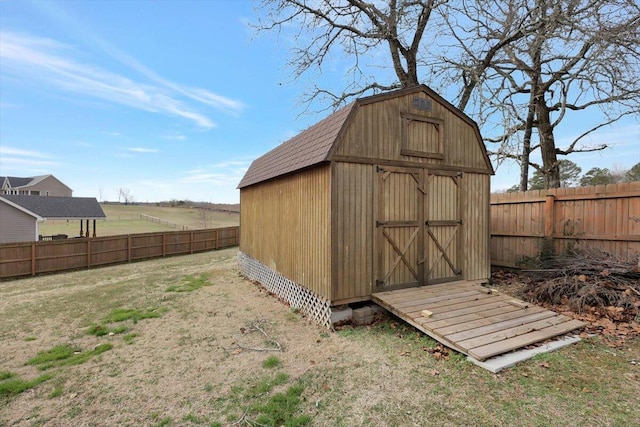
363 315
341 314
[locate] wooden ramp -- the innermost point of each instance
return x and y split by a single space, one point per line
472 319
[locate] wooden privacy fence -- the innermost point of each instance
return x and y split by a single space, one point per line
526 225
31 258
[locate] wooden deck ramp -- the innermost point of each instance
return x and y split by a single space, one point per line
474 320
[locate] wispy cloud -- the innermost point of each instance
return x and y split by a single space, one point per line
53 63
228 173
10 151
142 150
175 137
17 159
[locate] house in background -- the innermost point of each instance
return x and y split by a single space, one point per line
20 215
43 185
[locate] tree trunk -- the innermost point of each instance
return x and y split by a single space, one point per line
547 145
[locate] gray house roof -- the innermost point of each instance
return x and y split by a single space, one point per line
47 207
314 145
17 181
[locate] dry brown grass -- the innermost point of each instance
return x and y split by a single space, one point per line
193 365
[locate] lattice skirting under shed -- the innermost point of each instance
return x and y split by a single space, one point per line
312 305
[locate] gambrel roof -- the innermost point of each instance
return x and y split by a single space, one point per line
315 144
56 207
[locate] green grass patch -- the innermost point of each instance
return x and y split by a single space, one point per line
5 375
56 392
190 284
282 409
12 385
128 339
192 419
30 339
257 404
65 355
101 330
271 362
164 422
122 314
59 352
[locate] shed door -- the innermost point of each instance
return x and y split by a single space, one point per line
443 223
399 228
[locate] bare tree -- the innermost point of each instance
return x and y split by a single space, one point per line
356 29
531 63
124 196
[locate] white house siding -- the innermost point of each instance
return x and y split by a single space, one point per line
16 226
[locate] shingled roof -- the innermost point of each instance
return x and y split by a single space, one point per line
48 207
306 149
16 181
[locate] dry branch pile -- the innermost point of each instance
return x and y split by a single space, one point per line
594 287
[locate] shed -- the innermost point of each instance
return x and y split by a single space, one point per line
390 192
21 214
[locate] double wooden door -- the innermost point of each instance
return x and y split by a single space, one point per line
418 227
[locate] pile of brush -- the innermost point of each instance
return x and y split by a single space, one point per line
592 286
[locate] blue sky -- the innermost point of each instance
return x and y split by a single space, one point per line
169 99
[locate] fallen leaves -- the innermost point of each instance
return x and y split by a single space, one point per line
439 352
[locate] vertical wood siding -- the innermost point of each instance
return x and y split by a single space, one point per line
377 132
474 209
354 230
285 224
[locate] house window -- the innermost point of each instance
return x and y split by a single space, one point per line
34 193
422 136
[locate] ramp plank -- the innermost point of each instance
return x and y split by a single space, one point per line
465 317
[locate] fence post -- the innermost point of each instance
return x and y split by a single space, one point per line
164 244
217 239
546 251
128 248
191 241
88 253
33 259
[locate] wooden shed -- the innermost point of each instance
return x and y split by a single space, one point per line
390 192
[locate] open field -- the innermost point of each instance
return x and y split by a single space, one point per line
185 341
125 219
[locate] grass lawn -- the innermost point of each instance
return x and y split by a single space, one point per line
125 219
185 341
